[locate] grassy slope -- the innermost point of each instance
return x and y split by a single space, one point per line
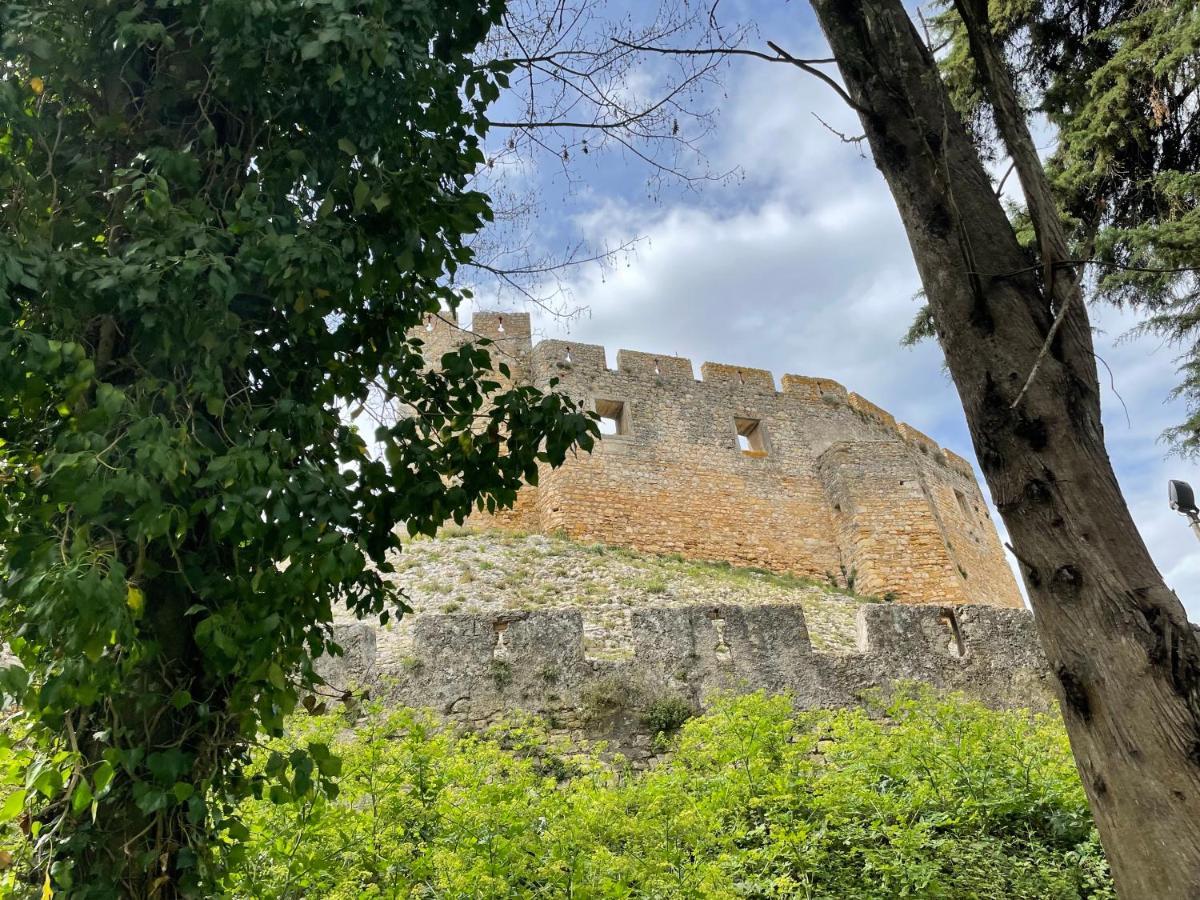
485 571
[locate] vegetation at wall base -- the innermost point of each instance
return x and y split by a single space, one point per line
917 796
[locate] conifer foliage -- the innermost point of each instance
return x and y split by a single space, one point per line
1118 82
220 218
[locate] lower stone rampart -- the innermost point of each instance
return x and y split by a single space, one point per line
476 669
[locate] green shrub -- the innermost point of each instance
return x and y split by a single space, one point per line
926 798
609 695
502 674
666 714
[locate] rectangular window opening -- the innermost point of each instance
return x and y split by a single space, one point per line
614 417
962 502
751 437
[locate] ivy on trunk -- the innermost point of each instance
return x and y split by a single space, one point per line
220 219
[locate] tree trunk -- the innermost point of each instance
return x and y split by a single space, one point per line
141 853
1126 659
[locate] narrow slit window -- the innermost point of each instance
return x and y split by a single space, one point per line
962 502
614 417
751 438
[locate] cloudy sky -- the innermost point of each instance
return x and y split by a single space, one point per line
801 265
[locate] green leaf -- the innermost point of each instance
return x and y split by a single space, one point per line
135 600
47 782
109 398
81 797
13 805
102 778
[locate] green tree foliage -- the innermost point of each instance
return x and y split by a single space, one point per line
1118 81
220 220
940 798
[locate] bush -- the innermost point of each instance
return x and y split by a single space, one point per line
927 798
608 695
666 714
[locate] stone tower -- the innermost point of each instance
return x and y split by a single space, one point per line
810 480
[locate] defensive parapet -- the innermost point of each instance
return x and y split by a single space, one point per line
508 334
807 478
475 669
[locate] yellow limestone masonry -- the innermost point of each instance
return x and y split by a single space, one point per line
811 480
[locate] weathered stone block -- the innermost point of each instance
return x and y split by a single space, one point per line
742 376
869 409
356 665
901 632
676 368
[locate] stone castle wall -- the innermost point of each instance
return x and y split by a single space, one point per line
476 669
829 483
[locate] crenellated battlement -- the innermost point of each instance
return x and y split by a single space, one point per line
550 357
815 388
803 477
960 465
739 376
476 668
868 409
502 326
555 357
674 368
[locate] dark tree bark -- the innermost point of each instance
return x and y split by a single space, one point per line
1118 640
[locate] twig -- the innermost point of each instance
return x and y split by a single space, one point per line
782 56
1062 312
807 66
720 51
1112 383
846 139
1037 363
712 14
1000 186
929 37
1026 563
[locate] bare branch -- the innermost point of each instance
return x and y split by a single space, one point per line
725 51
846 139
1037 363
781 56
808 66
1000 186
